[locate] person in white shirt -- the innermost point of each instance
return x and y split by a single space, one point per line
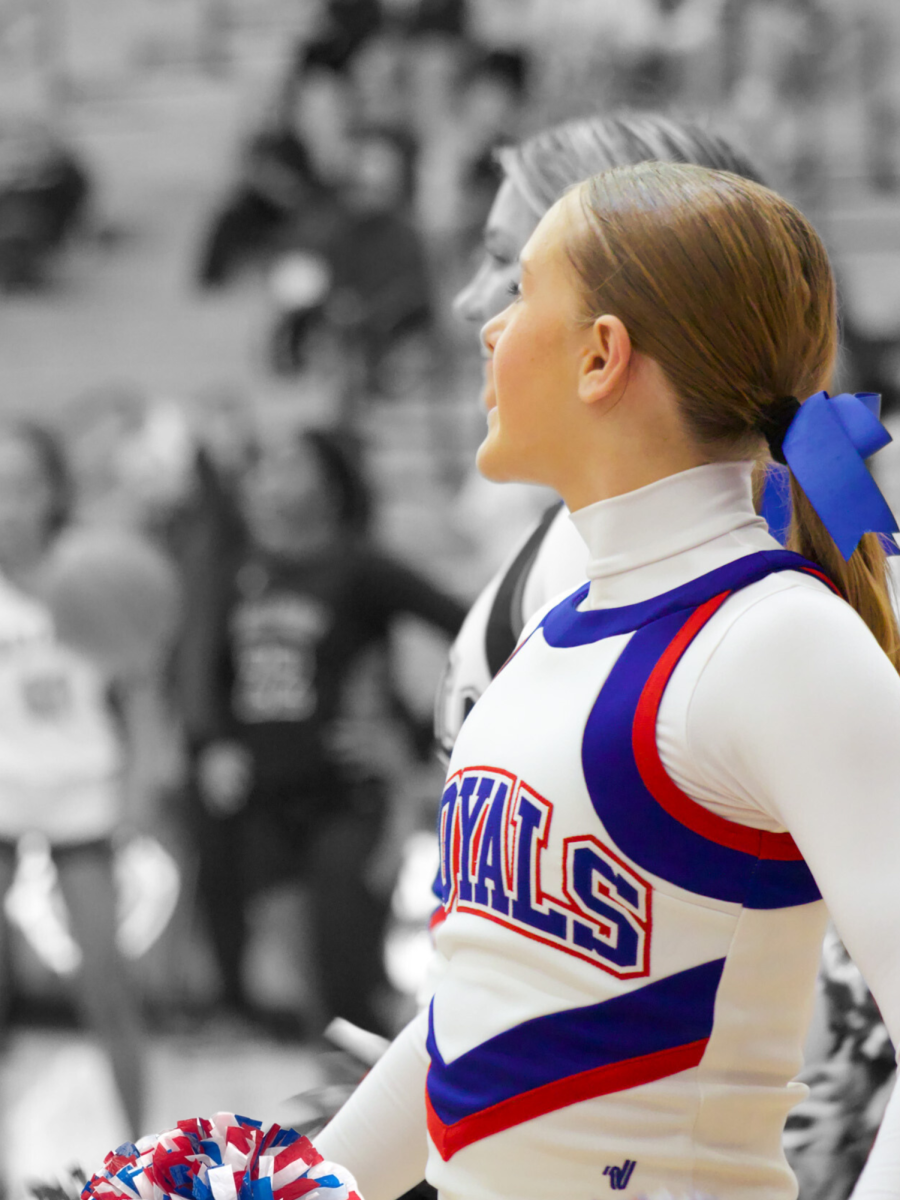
61 750
647 807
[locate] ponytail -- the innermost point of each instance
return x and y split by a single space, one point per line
862 580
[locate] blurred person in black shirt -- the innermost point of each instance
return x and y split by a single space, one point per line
282 795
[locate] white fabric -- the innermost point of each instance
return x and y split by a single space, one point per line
783 714
379 1135
560 565
60 757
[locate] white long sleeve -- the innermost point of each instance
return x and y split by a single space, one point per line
814 737
798 707
379 1134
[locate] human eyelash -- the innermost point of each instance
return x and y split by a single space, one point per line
513 288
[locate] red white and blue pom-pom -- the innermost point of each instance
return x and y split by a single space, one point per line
225 1158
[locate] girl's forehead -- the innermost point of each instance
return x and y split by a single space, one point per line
550 237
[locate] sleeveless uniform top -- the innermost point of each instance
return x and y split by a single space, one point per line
630 974
60 756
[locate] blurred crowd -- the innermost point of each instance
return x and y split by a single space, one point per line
197 680
204 678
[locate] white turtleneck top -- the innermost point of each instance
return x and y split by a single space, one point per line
782 715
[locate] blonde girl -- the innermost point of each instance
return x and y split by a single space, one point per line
689 761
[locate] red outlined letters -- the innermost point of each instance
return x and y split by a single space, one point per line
495 834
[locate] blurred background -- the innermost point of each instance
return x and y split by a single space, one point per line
230 235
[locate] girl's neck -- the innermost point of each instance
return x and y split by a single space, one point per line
655 538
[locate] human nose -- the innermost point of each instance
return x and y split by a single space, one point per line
469 303
491 331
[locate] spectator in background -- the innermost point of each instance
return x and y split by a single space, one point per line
44 189
278 184
457 176
433 37
131 456
282 793
493 94
381 292
774 55
421 17
304 341
322 81
679 62
204 537
588 53
343 28
876 23
62 755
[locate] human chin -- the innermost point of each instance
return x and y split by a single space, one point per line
489 456
495 458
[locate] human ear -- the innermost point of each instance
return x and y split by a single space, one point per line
605 360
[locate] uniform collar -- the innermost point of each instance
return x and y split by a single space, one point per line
663 535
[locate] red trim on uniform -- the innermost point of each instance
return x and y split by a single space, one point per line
438 917
586 1085
824 578
760 843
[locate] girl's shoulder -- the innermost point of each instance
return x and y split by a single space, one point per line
790 626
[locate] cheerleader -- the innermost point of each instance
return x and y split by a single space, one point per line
650 807
551 558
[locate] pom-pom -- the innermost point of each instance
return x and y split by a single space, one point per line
225 1158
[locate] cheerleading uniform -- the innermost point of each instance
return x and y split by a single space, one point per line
60 756
631 933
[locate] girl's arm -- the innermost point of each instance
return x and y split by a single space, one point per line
379 1134
799 708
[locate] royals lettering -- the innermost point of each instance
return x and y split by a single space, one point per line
495 832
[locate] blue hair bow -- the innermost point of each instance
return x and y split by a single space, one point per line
825 446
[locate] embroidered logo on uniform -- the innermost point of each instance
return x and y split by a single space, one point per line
619 1176
494 833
